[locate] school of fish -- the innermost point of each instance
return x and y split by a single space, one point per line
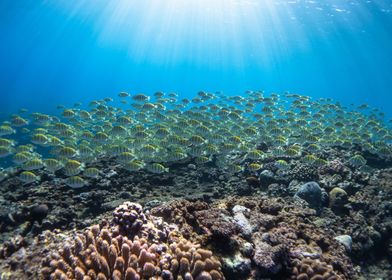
235 133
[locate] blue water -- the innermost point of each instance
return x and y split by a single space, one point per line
61 52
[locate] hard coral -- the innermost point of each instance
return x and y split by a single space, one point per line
182 213
304 173
309 269
337 198
217 223
269 259
280 234
130 217
131 221
333 167
103 252
11 246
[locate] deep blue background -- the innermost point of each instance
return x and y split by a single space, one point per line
54 52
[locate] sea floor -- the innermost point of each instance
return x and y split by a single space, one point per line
300 224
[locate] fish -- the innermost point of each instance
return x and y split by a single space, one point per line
52 165
28 177
140 97
5 151
123 94
3 175
22 157
234 168
6 130
91 172
255 166
75 182
234 133
18 121
33 164
157 168
357 161
73 167
133 165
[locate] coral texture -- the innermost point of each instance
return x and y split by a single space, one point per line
304 172
308 269
267 238
103 252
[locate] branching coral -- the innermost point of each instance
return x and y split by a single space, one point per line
106 253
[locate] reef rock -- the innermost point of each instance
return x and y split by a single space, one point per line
312 194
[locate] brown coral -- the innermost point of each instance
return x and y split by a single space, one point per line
337 198
333 167
282 233
131 221
104 253
182 213
269 259
304 172
130 217
217 222
309 269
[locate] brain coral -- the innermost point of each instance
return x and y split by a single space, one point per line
104 252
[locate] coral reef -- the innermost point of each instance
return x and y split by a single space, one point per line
102 252
267 234
263 237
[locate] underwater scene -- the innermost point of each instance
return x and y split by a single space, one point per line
195 139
